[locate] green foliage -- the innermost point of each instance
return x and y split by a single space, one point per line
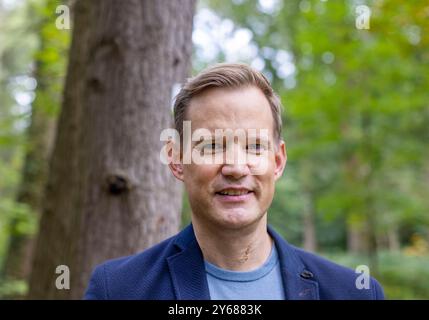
25 219
16 48
50 58
13 288
32 64
402 276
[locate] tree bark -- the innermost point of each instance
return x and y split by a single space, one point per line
108 194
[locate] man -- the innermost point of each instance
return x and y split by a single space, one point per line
228 252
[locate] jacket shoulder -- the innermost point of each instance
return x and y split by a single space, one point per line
132 277
339 282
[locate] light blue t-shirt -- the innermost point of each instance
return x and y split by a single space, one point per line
264 283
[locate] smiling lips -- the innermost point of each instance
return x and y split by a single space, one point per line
234 194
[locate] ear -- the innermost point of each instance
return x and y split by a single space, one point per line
280 159
177 170
175 160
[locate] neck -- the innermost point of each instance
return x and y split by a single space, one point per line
234 249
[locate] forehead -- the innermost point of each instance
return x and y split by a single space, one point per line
231 108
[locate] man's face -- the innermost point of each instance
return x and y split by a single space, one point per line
229 194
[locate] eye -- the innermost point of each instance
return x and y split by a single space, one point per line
211 147
255 148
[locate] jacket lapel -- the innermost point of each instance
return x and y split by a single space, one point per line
187 268
297 281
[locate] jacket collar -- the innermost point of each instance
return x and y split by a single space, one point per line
187 268
298 282
189 276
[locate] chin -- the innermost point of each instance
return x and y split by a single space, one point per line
238 219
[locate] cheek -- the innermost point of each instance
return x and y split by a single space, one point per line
267 185
198 178
264 165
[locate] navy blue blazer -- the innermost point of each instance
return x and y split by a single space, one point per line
174 269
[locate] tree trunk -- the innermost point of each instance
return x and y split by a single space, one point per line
108 193
40 134
310 239
356 237
393 239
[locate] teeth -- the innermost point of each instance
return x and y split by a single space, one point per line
231 192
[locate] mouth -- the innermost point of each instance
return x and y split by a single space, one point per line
234 194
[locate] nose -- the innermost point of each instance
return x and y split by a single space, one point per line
235 171
236 165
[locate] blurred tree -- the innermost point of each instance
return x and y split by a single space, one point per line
17 45
108 194
49 74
